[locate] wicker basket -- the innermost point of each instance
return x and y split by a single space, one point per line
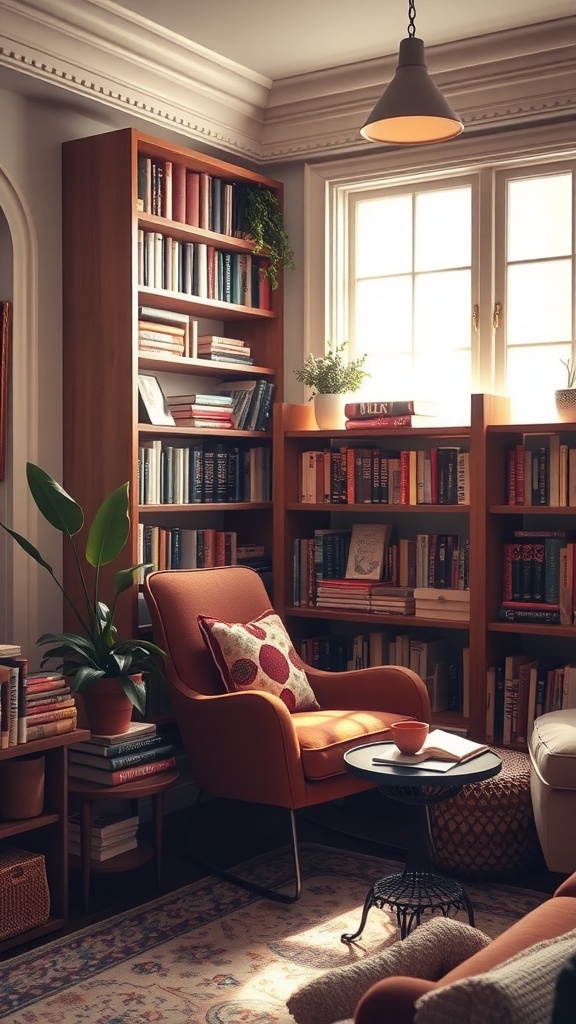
24 893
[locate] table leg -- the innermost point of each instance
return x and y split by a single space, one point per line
85 849
417 889
158 821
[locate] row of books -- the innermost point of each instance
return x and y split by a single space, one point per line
112 833
180 548
438 561
444 667
171 190
113 760
539 577
203 472
520 689
542 471
195 268
33 705
347 474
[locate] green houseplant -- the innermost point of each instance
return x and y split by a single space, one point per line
264 225
94 653
331 378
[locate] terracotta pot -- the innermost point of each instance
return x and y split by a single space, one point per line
22 787
107 708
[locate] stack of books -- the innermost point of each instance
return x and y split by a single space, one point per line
114 760
112 833
208 411
408 413
224 350
389 600
49 704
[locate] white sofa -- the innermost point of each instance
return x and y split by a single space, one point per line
552 749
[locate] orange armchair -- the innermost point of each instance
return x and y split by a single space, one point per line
247 745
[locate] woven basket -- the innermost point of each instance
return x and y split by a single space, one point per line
24 893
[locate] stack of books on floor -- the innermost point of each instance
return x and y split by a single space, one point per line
112 833
115 759
50 706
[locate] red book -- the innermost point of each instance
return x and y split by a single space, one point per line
380 421
179 193
108 778
38 718
193 198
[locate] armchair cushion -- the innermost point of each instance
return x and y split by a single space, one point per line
259 655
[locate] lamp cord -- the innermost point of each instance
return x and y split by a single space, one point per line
411 18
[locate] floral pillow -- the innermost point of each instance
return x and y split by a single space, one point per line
259 655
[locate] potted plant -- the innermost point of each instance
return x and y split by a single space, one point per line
105 670
566 397
332 380
265 227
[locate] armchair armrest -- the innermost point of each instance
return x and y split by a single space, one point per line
242 746
388 687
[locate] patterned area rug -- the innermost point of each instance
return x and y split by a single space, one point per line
211 953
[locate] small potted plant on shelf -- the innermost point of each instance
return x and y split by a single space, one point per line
566 397
265 227
105 670
333 380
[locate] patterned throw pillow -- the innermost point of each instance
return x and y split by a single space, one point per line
259 655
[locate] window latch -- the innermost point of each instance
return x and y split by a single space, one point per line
497 314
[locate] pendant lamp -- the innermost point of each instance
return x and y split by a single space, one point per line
412 110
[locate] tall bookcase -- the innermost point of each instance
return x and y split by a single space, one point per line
103 289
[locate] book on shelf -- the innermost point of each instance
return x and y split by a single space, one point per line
39 704
395 407
113 764
40 716
525 615
118 778
129 746
385 422
441 751
153 401
101 854
10 650
57 728
106 824
4 706
136 730
226 357
15 695
217 341
185 401
367 551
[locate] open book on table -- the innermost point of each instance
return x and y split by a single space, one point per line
441 751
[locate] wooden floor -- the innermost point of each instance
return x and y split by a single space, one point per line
225 833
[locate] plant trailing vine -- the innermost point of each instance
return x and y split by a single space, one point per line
330 375
265 227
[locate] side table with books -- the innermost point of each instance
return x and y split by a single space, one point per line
137 764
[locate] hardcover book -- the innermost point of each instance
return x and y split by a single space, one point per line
366 555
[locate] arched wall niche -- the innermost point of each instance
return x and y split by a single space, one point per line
19 578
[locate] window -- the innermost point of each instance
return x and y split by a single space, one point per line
456 276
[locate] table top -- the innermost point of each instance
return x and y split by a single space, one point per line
358 760
149 785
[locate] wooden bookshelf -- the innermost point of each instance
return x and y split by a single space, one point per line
102 291
46 833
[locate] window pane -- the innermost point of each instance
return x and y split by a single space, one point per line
391 376
533 375
443 229
384 315
540 217
442 312
539 303
384 236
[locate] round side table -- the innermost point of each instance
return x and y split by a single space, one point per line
153 786
417 889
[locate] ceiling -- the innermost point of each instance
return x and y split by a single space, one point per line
279 41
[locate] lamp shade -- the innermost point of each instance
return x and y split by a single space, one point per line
412 109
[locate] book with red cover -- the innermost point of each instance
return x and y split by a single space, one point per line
46 729
179 192
107 778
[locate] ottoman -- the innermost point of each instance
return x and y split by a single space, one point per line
487 831
552 749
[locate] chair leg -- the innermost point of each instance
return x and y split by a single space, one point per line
260 890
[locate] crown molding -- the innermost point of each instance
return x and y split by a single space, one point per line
98 51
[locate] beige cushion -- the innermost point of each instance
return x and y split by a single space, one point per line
259 655
553 748
519 991
428 952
